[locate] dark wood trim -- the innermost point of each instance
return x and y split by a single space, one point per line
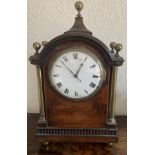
76 139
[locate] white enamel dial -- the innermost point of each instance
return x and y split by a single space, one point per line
76 73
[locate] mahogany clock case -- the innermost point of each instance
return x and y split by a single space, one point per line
76 121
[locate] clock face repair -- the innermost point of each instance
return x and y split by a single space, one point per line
77 75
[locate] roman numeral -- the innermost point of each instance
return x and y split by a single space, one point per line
95 76
75 55
92 85
86 91
66 91
59 84
56 75
58 66
65 58
92 66
76 93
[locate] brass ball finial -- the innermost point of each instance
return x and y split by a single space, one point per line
118 48
36 46
112 45
79 6
44 43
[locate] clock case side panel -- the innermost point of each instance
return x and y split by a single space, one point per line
97 105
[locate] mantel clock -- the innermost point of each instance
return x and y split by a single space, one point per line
76 76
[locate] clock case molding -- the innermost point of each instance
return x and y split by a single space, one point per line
107 132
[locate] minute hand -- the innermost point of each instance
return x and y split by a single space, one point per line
80 67
70 71
67 68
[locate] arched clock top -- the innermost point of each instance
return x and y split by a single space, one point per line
113 58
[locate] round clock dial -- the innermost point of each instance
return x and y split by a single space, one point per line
76 73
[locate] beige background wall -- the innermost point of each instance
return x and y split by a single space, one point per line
105 18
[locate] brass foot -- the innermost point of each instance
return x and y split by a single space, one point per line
44 143
45 146
110 144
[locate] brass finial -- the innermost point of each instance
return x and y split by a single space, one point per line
36 46
112 45
44 43
118 48
79 6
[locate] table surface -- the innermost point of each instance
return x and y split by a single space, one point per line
120 148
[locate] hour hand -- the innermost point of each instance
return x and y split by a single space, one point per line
81 65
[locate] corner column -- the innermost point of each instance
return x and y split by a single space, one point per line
42 119
112 98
